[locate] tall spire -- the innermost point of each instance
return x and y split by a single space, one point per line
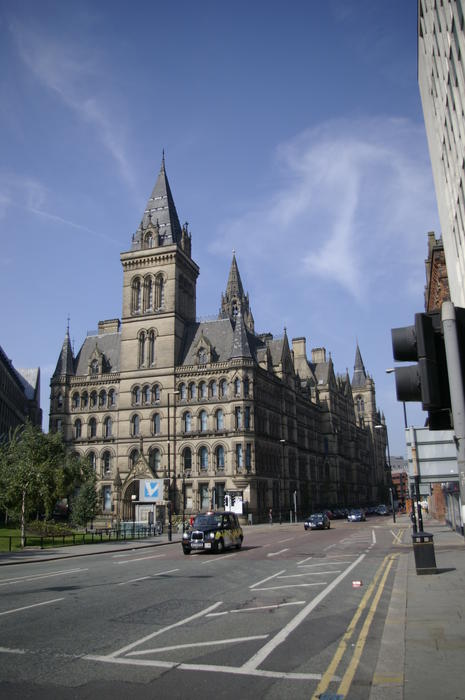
360 375
234 301
240 344
160 212
65 364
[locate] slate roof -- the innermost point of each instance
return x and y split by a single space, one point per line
160 210
360 376
65 364
108 343
30 379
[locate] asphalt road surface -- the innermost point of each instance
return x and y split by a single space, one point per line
293 614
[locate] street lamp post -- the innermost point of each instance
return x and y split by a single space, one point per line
283 442
133 499
170 508
183 477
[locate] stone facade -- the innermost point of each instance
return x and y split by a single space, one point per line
437 281
211 407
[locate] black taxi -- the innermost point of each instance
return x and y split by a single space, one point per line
214 531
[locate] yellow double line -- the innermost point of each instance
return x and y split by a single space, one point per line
382 572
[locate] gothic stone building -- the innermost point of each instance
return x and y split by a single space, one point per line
214 406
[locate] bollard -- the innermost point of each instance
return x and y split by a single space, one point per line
423 549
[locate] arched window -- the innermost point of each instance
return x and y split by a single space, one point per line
247 417
151 348
85 400
60 400
111 398
142 338
187 419
155 393
159 292
135 425
219 419
148 241
203 458
237 387
238 415
182 392
77 429
203 390
219 457
213 389
203 421
102 398
246 386
156 423
239 457
76 400
202 356
154 460
223 387
106 462
136 293
133 458
192 390
187 458
146 394
107 427
92 428
92 460
94 368
93 399
136 395
148 294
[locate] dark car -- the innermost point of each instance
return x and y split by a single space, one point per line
317 521
356 515
214 531
382 510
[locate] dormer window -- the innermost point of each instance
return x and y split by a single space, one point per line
94 367
202 356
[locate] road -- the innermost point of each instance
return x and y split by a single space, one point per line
293 614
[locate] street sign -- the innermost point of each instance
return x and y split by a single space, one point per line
151 490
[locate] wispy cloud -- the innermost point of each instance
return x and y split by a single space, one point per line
70 72
349 193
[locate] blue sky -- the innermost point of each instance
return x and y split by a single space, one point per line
293 134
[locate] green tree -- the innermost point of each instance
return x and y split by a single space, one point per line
36 469
85 503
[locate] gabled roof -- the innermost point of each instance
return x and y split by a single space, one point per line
240 344
109 344
160 212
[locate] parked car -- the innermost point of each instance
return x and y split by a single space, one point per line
317 521
356 515
382 510
214 531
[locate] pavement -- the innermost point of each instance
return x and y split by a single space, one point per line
422 651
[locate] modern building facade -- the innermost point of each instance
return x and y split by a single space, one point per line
213 408
19 396
441 77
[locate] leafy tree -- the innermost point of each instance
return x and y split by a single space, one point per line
85 503
36 469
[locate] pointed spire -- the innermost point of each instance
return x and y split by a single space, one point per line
160 207
65 364
240 343
360 375
234 300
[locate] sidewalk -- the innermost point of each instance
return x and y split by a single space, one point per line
422 652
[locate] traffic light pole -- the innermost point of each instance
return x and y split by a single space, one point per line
457 397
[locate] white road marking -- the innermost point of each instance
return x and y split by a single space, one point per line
312 573
275 554
373 536
197 644
241 671
292 585
282 635
28 607
129 561
5 650
288 539
35 577
268 578
397 536
127 648
299 563
260 607
144 578
325 563
222 558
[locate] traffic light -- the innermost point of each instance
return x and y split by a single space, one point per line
426 381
